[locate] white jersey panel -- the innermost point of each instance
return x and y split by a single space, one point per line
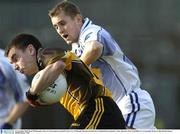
120 78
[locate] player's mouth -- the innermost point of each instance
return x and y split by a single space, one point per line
65 36
21 71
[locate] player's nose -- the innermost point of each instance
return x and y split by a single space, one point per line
60 30
16 67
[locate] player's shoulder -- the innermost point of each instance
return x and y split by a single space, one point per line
89 30
50 52
46 56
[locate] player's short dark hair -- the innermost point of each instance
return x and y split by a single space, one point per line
21 41
69 8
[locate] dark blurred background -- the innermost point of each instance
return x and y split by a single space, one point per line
148 31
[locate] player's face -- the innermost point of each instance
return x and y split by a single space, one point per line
67 27
23 60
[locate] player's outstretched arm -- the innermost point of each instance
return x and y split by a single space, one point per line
16 112
49 74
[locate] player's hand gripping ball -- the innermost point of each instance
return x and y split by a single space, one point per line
54 92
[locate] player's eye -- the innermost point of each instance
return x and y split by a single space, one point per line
15 59
62 23
56 27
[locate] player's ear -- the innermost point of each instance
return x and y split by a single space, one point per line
79 18
31 49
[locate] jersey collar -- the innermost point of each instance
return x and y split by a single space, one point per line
87 22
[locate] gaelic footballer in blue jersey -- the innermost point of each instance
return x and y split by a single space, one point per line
97 48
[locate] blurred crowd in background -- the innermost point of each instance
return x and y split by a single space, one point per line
148 32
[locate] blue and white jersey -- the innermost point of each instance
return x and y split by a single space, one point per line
119 74
11 90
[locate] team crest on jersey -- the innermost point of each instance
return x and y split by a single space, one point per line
87 36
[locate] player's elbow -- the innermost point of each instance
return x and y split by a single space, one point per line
59 66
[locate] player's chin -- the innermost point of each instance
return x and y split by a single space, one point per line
25 73
69 42
28 72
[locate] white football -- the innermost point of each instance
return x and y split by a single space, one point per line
54 92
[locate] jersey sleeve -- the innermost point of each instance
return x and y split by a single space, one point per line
109 44
89 34
69 56
101 35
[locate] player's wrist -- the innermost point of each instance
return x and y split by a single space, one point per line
31 96
31 90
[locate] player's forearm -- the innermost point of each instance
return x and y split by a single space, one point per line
49 75
92 52
89 57
16 112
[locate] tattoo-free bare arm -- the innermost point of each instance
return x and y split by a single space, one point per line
92 51
49 74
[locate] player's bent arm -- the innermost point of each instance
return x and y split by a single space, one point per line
92 51
16 112
49 74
